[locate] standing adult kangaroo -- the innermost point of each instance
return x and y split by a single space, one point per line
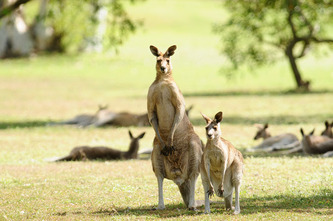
177 149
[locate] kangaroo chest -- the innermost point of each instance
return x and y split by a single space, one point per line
166 95
216 155
215 158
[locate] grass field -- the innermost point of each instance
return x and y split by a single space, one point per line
37 90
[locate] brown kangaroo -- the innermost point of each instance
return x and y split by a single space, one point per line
104 153
316 144
328 130
177 149
273 143
221 166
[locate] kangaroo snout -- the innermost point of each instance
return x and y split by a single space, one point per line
163 69
210 136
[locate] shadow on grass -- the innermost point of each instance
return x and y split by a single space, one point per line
22 124
231 119
314 204
277 120
319 204
276 154
254 93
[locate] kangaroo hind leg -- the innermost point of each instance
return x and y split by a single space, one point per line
187 191
160 193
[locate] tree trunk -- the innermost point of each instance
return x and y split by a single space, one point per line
15 39
42 35
301 85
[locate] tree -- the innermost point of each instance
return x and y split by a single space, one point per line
6 10
258 30
66 26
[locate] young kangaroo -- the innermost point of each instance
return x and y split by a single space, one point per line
328 130
177 149
221 166
278 142
316 144
104 153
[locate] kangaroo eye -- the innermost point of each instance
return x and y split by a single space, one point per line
215 128
168 61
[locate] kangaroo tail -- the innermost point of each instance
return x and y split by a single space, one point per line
66 158
68 122
184 189
146 151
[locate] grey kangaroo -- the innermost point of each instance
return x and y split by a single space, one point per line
104 153
221 166
177 149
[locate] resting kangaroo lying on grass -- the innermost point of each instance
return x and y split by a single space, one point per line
316 144
279 142
177 149
104 153
221 166
83 120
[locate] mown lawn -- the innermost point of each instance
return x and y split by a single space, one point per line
48 88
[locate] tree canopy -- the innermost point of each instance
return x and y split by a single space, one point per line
67 26
257 31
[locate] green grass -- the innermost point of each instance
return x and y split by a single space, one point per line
37 90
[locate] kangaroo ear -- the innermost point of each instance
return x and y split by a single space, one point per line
142 135
302 132
312 132
154 51
207 119
266 126
218 117
130 134
171 50
188 110
326 124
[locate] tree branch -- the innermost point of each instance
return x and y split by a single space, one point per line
307 22
305 48
7 10
291 9
324 40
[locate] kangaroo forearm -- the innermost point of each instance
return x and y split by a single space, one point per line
224 168
154 123
178 118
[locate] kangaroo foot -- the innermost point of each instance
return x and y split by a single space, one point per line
236 212
166 151
158 208
193 209
229 208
